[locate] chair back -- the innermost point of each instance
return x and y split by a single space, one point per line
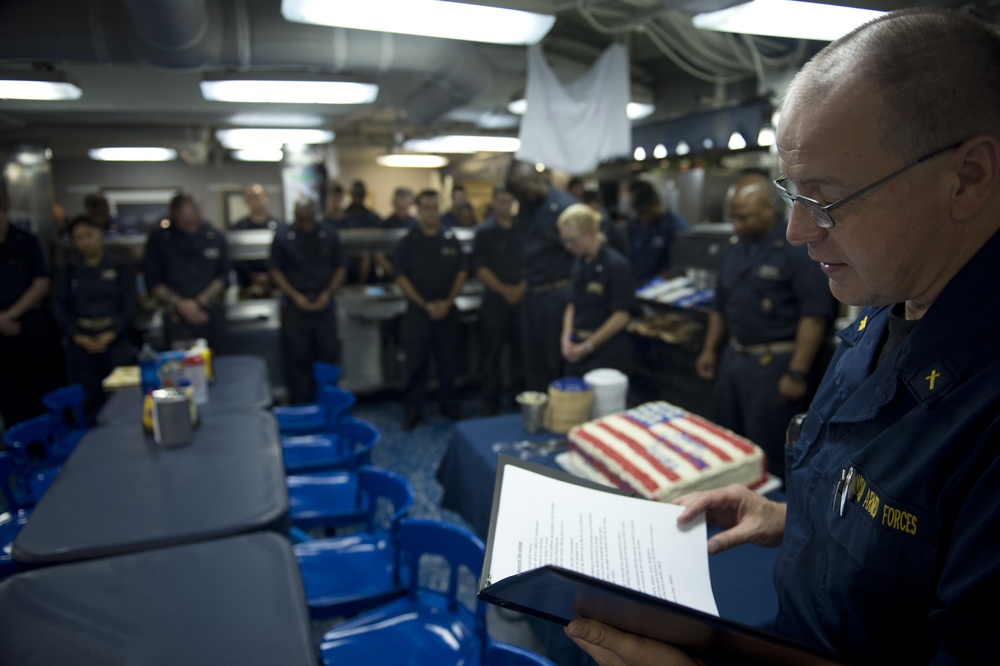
375 483
356 439
459 547
65 406
325 374
505 654
13 486
336 404
32 443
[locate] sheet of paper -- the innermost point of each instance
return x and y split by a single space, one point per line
628 541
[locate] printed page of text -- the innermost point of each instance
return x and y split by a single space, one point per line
628 541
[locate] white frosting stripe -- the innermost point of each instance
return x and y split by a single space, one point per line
691 438
641 450
710 430
614 455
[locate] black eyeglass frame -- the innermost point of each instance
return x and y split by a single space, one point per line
821 213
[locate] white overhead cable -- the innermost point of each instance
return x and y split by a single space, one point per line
709 56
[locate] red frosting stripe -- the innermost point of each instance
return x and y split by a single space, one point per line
728 436
638 474
719 453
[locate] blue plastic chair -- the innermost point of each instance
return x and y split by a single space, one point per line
33 449
505 654
65 406
325 499
334 405
310 418
429 625
18 501
347 574
348 447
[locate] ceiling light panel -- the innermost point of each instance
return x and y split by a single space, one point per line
38 90
133 154
289 92
786 18
428 18
464 144
237 138
404 160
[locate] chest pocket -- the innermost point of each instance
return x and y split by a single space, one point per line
212 253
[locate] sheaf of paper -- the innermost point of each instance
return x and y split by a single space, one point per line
628 541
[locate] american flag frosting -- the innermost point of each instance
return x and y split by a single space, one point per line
660 451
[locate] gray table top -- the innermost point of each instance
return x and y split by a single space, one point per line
241 383
237 600
119 492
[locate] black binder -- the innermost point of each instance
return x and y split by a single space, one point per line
560 595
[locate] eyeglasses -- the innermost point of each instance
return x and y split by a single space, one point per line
821 213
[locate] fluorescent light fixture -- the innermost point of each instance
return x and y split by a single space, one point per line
258 155
660 151
132 154
736 141
407 161
639 154
765 137
37 86
457 143
786 18
289 92
262 137
428 18
682 148
707 143
276 120
634 110
539 167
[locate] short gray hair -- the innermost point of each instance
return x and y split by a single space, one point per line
937 71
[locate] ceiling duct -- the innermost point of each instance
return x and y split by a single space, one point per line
245 35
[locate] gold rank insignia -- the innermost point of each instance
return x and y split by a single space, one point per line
863 323
766 305
595 288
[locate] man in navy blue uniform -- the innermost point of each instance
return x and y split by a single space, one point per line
28 343
772 315
307 265
498 264
430 271
402 202
651 233
187 268
891 162
253 275
547 265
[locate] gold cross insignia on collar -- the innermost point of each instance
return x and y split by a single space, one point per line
863 323
931 378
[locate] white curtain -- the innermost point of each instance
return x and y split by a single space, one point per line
577 126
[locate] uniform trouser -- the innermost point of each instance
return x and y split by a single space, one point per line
615 353
31 365
421 337
90 369
747 402
306 337
176 330
542 318
500 323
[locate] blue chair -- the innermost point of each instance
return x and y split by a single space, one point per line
430 625
65 406
505 654
347 574
33 449
332 405
329 500
348 447
18 501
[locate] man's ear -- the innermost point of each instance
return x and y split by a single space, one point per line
978 175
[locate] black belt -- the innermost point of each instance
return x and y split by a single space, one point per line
548 286
766 348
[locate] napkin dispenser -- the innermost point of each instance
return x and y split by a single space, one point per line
171 418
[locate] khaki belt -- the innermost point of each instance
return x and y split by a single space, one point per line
95 323
549 286
783 347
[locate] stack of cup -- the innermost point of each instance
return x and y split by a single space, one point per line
610 388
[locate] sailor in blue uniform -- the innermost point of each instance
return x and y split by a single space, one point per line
651 235
252 274
547 265
771 318
187 268
307 265
603 297
430 271
498 263
95 304
888 539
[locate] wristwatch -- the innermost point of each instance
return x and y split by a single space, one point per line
796 375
